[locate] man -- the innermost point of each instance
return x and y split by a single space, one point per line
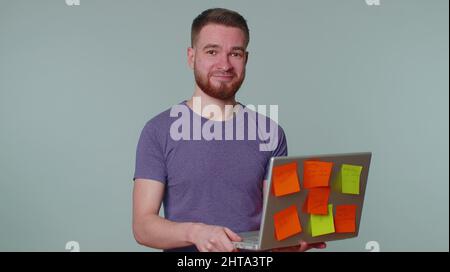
211 188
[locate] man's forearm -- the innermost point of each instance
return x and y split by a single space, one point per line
157 232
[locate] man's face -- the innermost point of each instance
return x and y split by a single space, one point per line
218 59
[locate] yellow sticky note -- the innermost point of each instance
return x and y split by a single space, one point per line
322 224
349 179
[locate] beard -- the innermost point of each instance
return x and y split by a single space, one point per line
224 91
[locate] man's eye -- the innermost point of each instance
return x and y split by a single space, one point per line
211 52
236 55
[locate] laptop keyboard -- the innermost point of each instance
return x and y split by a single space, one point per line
253 238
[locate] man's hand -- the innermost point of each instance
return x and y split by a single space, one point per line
209 238
300 248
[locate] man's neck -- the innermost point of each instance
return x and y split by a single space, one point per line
226 106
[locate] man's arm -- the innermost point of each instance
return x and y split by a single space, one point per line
151 230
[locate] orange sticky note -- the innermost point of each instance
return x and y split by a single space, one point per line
316 174
286 223
345 219
285 179
317 201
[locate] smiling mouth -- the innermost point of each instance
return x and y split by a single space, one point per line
223 77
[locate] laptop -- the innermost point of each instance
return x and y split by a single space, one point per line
265 238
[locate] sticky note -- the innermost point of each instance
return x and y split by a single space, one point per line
348 181
285 179
317 201
316 173
345 219
287 223
322 224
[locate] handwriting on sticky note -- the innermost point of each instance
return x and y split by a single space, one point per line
322 224
317 201
316 173
345 219
285 179
350 178
287 223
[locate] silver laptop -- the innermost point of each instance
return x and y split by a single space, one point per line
264 239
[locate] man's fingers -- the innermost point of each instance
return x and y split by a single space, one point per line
303 246
233 236
318 245
206 248
225 244
229 237
221 243
215 246
286 249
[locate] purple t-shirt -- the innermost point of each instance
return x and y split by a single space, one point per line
214 181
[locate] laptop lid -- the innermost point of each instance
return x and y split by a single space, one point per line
275 204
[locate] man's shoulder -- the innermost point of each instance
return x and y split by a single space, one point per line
267 115
160 122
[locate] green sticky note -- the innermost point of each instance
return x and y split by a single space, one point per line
322 224
349 179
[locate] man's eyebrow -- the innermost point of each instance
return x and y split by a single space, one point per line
210 45
214 46
239 48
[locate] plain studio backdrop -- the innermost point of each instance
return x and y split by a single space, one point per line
78 83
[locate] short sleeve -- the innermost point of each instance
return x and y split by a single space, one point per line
280 151
150 160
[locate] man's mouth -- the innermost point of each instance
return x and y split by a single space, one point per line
225 77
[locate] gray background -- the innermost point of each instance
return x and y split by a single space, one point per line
77 84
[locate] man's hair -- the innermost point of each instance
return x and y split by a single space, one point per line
219 16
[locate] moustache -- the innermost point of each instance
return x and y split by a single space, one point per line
222 74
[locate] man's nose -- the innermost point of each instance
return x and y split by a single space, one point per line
224 62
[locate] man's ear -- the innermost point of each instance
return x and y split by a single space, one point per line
191 57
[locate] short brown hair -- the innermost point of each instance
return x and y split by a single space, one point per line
219 16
